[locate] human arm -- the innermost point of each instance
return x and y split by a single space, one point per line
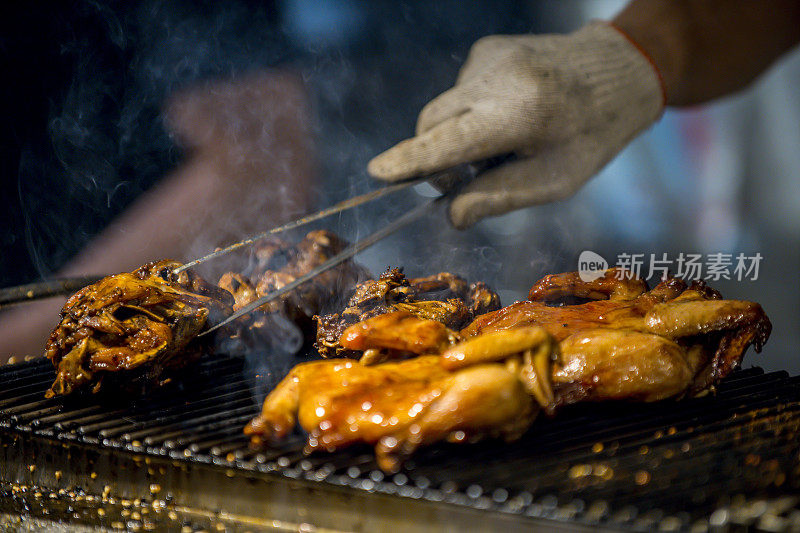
567 104
705 49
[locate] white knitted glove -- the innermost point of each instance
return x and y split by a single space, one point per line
564 104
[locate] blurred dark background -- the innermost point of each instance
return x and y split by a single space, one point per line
84 136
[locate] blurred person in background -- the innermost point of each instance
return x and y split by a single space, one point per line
129 138
360 73
164 129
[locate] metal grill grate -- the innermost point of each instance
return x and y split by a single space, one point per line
730 458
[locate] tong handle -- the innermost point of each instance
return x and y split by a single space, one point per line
44 289
451 180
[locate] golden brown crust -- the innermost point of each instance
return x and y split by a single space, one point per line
443 297
626 343
712 333
396 406
144 318
400 331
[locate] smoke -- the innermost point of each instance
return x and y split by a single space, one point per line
269 350
366 84
125 63
113 68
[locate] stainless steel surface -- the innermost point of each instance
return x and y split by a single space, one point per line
729 461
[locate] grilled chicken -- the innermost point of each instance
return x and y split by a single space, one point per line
275 264
240 288
395 406
631 343
444 298
624 343
400 333
144 322
139 323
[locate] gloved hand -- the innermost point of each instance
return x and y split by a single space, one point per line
564 104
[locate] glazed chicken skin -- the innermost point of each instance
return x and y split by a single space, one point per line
139 323
630 343
491 379
394 335
145 322
396 406
444 298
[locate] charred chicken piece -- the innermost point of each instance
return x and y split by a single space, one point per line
395 406
140 324
275 264
444 286
636 344
240 288
445 298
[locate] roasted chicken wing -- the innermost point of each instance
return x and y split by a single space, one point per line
399 333
138 323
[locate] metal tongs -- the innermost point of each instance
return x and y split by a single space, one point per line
44 289
449 180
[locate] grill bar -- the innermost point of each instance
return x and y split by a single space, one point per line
671 465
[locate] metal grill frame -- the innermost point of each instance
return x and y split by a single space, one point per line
200 465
